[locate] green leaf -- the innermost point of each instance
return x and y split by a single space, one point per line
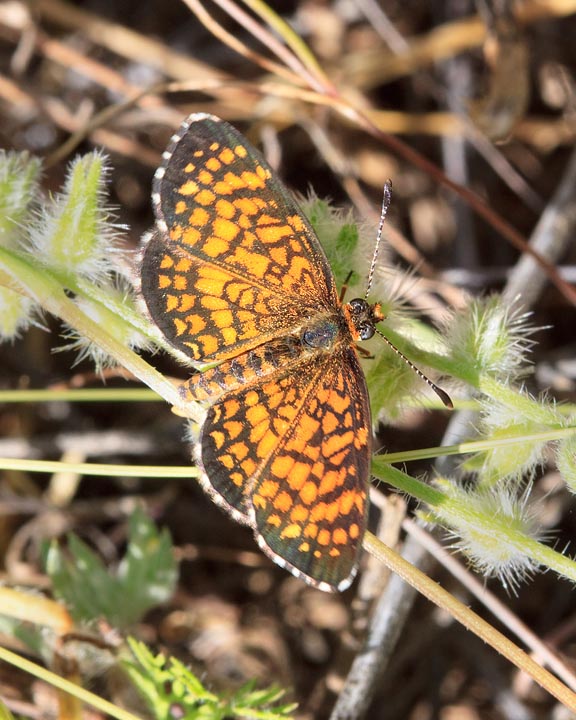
15 313
390 380
145 578
566 460
18 186
338 236
148 572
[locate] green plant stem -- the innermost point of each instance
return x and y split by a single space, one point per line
98 394
71 688
107 394
526 407
475 446
443 599
100 469
454 507
19 274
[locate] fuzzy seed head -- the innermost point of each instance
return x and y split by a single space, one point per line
489 532
516 453
19 175
490 337
74 233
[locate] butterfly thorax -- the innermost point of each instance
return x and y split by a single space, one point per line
322 334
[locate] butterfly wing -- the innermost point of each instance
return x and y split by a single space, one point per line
290 455
229 441
232 263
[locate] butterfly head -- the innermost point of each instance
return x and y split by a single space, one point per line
362 318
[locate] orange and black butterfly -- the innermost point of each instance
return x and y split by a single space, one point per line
234 274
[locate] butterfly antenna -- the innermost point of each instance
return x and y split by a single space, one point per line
446 399
387 198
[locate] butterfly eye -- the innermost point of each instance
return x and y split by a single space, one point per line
358 306
365 330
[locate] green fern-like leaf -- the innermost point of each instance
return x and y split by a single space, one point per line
167 685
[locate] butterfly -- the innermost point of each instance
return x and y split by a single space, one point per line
235 278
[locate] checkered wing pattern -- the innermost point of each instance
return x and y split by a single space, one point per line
233 260
291 459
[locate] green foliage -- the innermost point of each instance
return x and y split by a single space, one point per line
19 175
65 243
145 577
489 337
566 461
172 690
489 528
506 462
390 381
338 235
15 313
5 714
71 233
